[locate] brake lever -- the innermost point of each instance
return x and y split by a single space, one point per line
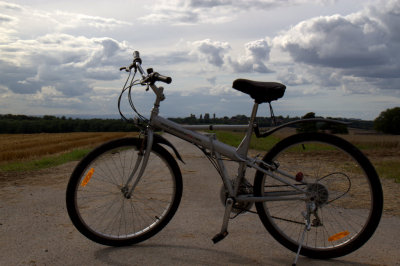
124 68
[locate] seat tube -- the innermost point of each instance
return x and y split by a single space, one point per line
245 144
243 149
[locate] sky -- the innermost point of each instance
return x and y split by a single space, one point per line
337 58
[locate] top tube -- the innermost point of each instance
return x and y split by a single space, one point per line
216 127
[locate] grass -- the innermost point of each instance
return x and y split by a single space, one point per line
388 169
367 142
26 152
234 139
16 147
45 162
382 149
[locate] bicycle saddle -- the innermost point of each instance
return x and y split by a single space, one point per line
261 92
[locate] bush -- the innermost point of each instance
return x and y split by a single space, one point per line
388 121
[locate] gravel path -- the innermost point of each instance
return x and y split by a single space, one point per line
35 228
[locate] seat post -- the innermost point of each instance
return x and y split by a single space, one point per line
245 144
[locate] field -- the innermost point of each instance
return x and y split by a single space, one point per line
24 153
382 150
35 151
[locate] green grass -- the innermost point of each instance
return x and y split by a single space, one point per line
45 162
388 169
234 139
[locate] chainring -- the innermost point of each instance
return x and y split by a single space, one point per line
238 207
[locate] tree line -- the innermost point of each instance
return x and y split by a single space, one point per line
388 121
268 122
22 124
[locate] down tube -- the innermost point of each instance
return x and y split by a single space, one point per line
195 137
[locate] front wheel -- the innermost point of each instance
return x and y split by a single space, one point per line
96 196
345 190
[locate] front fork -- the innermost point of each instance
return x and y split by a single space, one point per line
141 163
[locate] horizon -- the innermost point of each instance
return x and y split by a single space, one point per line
197 116
337 58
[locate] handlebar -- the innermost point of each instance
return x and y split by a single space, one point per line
151 76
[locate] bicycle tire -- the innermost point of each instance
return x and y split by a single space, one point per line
349 196
96 203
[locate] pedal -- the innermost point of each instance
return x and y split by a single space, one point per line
219 237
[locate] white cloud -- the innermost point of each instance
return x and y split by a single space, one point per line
187 12
359 48
52 58
212 52
220 89
65 20
256 54
63 61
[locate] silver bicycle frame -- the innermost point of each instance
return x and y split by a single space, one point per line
218 149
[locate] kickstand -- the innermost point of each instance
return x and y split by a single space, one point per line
300 245
224 229
307 227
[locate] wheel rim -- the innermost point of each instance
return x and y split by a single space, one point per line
102 206
343 196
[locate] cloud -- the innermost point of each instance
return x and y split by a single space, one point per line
212 52
31 61
362 45
10 6
256 53
6 19
67 63
66 20
186 12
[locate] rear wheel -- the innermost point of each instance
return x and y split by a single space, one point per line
96 197
345 189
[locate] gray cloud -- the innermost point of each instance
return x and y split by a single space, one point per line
256 53
211 51
31 60
5 19
169 57
212 11
363 44
67 63
10 6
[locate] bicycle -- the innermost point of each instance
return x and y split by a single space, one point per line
315 193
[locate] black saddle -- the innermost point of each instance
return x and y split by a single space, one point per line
261 92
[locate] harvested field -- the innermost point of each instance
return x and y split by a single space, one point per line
382 150
15 147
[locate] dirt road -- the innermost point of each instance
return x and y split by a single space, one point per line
35 228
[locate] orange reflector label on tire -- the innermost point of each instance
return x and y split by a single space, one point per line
87 177
338 236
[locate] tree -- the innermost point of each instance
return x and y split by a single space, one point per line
307 126
388 121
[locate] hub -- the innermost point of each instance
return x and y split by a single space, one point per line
125 192
319 193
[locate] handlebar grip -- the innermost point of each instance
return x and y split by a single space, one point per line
165 79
